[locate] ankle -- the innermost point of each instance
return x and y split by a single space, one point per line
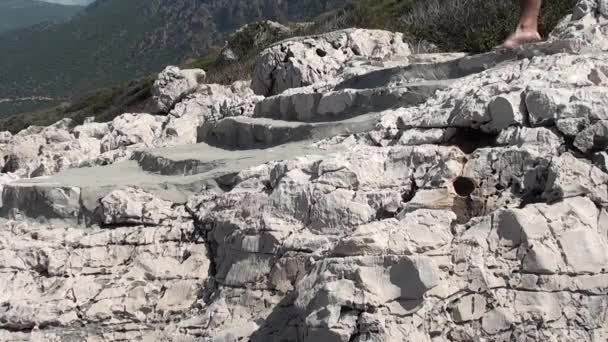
527 27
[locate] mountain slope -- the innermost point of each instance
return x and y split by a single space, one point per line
117 40
71 2
16 14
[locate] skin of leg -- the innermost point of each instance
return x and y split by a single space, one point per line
527 28
530 11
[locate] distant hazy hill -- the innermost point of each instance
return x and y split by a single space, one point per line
117 40
15 14
71 2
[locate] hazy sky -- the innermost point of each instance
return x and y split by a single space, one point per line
71 2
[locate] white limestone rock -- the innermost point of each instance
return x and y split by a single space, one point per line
594 137
21 153
132 129
416 136
585 25
134 206
45 202
548 105
172 85
5 137
303 61
125 276
319 103
95 130
480 215
417 232
540 138
569 177
470 308
544 88
46 151
6 178
210 102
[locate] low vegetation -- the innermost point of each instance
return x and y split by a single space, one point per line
473 25
430 25
452 25
104 105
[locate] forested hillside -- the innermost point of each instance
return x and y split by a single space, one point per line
16 14
115 40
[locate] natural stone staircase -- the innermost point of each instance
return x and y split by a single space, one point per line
201 158
319 106
232 144
227 146
420 198
245 133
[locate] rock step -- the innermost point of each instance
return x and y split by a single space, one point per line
172 174
454 68
344 104
250 133
202 158
151 161
74 194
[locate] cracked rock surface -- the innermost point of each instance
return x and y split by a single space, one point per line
471 206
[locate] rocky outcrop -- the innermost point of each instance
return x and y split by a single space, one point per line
250 38
448 198
172 85
43 151
303 61
585 25
40 151
211 102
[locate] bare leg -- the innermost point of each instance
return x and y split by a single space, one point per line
527 29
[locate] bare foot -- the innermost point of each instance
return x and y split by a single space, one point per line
520 37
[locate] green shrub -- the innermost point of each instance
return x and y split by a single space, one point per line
473 25
206 62
104 105
453 25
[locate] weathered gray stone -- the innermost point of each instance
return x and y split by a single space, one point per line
303 61
569 177
585 25
41 202
426 136
594 137
133 206
132 129
172 85
507 94
600 160
249 133
469 308
310 105
210 102
547 105
478 215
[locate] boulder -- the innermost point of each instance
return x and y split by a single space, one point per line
303 61
585 25
252 36
133 206
172 85
132 129
211 102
